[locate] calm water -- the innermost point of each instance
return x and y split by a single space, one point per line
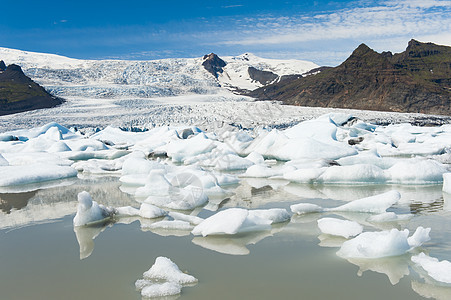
40 252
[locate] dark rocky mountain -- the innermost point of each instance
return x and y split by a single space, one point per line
264 77
213 64
416 80
19 93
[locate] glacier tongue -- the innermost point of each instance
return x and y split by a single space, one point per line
67 77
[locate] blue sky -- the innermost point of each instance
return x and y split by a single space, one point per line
321 31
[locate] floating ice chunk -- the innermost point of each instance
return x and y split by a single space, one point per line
195 220
186 198
260 171
389 217
304 175
156 185
231 221
171 225
256 158
33 173
368 157
232 162
98 166
3 161
150 211
374 204
86 145
59 146
383 243
226 179
275 215
304 148
179 150
322 128
360 173
136 163
305 208
338 227
118 136
447 183
90 212
165 269
154 290
438 270
420 236
126 211
417 171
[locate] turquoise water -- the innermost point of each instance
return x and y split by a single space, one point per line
40 251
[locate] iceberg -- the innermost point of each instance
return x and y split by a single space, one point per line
338 227
165 269
440 271
33 173
383 243
374 204
231 221
89 212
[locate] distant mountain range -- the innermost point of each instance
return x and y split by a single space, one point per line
66 77
19 93
416 80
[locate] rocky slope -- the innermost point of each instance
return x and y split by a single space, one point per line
416 80
19 93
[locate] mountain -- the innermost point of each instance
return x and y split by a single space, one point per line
416 80
19 93
119 79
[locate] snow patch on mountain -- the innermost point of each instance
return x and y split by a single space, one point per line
68 77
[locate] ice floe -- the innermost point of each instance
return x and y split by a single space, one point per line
33 173
90 212
373 204
237 220
440 271
383 243
164 278
339 227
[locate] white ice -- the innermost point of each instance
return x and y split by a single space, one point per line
383 243
376 204
90 212
438 270
33 173
231 221
339 227
165 269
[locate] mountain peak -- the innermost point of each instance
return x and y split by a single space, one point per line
2 65
213 64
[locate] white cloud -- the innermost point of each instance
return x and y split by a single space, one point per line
388 19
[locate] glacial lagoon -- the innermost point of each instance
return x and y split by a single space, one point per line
43 256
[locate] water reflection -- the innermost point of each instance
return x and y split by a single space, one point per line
330 241
394 267
85 238
428 290
15 201
235 245
446 201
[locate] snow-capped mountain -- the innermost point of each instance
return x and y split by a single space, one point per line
68 77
